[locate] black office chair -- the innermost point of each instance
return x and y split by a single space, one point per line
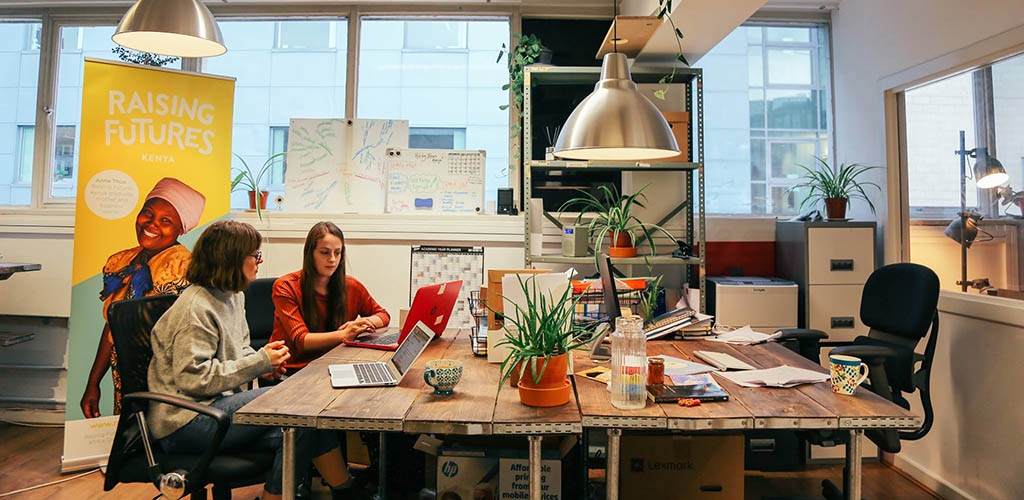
259 311
137 458
900 306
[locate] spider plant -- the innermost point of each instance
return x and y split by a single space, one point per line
613 213
250 181
828 182
544 328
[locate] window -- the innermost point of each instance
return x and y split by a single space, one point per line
18 83
77 43
278 145
283 69
437 138
442 77
768 109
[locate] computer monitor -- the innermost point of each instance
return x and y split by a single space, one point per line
611 299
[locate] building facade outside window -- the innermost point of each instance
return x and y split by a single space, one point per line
768 109
18 83
283 69
441 76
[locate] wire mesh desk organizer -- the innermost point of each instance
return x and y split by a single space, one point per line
590 308
478 332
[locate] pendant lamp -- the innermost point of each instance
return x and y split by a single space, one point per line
182 28
616 122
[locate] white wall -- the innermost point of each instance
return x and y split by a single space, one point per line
973 450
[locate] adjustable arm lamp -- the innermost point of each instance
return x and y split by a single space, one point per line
988 174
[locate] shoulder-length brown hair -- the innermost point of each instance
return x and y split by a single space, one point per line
337 292
219 253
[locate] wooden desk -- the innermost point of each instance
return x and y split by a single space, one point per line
811 406
307 399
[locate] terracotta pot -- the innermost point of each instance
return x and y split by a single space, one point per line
546 397
622 246
263 200
835 208
552 378
513 379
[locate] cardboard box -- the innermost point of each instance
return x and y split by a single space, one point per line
514 482
467 474
681 467
679 122
494 291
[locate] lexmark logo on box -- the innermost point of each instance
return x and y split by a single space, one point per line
674 466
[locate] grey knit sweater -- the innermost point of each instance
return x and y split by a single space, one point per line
201 351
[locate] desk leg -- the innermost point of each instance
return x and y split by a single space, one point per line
535 465
852 472
288 464
382 467
612 469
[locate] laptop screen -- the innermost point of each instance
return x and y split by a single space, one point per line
410 349
611 300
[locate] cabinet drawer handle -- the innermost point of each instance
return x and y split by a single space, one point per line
842 322
841 265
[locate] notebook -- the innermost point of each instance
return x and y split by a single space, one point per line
722 361
701 387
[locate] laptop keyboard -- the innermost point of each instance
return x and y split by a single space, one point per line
372 373
389 339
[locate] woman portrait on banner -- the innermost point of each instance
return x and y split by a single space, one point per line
156 266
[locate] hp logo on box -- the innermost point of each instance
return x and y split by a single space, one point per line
449 469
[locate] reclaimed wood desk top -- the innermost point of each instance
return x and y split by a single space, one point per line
307 399
809 406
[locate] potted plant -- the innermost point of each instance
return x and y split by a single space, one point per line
835 187
613 214
250 182
649 297
540 335
528 50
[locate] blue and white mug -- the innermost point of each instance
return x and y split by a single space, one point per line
442 375
847 372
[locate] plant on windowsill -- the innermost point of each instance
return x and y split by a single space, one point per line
613 214
835 187
540 335
529 50
250 182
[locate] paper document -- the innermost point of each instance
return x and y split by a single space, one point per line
745 336
780 376
679 367
722 361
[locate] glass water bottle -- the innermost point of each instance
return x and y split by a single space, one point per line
629 364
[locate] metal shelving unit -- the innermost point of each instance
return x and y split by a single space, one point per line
693 267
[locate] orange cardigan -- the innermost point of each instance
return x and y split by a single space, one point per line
291 328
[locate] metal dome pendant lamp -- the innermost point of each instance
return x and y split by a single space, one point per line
182 28
616 122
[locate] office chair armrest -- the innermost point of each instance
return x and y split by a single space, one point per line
872 355
197 473
808 341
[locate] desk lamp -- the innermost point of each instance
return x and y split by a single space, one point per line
988 174
616 122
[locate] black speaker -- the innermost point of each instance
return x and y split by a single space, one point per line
505 203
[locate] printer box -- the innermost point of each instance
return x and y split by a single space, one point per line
681 468
514 477
467 474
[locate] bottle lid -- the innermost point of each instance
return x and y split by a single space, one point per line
656 361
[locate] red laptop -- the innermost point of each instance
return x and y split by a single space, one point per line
432 305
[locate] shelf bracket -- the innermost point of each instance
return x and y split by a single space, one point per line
640 239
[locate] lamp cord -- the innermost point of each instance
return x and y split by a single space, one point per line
615 26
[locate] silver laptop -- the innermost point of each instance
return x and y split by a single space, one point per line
384 373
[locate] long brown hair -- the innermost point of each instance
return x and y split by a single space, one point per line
218 255
337 292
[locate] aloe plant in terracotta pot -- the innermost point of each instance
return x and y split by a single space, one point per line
835 187
613 214
540 334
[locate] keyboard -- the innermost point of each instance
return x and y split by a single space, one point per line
372 373
387 339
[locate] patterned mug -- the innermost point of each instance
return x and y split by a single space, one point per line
442 375
847 373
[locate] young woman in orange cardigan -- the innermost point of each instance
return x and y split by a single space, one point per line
319 307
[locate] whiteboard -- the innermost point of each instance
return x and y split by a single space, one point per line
338 165
440 181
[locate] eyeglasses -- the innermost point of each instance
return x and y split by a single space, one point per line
258 256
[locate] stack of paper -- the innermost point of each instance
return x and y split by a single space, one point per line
780 376
745 336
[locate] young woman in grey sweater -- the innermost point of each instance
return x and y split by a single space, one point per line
201 351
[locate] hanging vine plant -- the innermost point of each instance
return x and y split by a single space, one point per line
529 50
664 12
